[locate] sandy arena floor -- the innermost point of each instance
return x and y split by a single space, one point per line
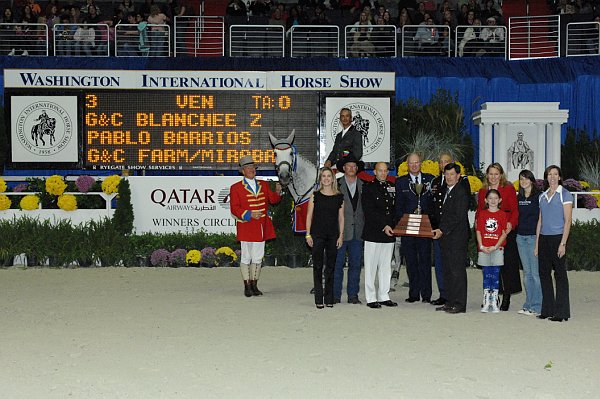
190 333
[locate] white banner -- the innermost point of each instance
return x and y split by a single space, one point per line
44 129
166 204
199 80
371 116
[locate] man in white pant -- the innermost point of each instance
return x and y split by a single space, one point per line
378 206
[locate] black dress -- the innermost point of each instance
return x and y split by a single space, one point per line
325 230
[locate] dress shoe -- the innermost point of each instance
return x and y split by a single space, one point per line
247 289
455 310
388 303
374 305
329 305
442 308
541 316
320 306
354 300
411 300
438 302
559 319
426 300
336 300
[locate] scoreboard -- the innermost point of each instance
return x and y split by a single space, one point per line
193 130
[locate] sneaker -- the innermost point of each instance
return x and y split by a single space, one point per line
523 311
526 312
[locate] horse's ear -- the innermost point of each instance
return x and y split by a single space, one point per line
273 140
290 138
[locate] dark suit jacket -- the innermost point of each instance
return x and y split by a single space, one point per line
354 220
438 191
352 141
406 199
454 222
378 206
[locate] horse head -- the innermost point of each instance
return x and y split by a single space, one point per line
285 157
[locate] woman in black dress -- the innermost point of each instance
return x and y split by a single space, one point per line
325 233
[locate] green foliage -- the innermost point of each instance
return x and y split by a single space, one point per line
442 119
3 141
287 242
577 146
123 216
583 248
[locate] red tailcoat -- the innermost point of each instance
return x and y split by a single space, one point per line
243 201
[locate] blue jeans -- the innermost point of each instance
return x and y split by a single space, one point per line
354 248
531 273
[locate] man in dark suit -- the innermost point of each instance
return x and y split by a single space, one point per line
349 140
453 233
354 220
416 250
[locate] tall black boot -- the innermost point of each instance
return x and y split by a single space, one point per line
247 288
505 302
254 288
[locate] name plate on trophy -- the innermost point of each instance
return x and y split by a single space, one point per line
413 225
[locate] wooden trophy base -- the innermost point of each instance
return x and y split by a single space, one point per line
412 225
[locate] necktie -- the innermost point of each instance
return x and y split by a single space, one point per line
416 179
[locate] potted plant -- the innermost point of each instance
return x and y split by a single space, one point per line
225 257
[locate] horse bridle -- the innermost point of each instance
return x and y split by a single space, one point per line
292 166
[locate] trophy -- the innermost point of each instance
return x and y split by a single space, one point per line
414 224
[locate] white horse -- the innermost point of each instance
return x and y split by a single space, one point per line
296 173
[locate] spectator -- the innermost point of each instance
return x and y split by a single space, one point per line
349 5
236 8
27 16
49 6
294 19
260 7
387 18
427 37
7 32
383 39
473 6
320 17
421 15
36 10
85 40
65 31
470 43
76 15
128 41
92 16
403 33
491 10
277 18
493 37
368 13
52 18
157 36
85 9
127 7
361 39
145 8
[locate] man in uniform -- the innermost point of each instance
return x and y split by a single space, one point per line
250 199
378 207
354 219
349 140
416 250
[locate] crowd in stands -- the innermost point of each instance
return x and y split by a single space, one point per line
78 32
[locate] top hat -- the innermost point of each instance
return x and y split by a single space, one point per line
246 160
349 158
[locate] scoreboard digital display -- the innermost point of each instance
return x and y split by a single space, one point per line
193 130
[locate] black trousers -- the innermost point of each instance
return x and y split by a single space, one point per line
324 245
417 252
557 306
510 277
454 272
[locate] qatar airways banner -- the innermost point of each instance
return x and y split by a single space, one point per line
199 80
168 204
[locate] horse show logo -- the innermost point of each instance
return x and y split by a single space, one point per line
44 128
368 121
491 225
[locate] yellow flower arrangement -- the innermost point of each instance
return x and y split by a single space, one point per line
5 202
67 202
597 196
55 185
463 170
226 251
110 185
431 167
585 185
193 257
2 185
403 169
30 202
475 184
516 185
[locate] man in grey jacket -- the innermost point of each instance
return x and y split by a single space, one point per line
351 186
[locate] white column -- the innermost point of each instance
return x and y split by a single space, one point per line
540 155
487 145
500 145
555 143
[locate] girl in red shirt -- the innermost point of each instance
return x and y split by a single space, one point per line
491 238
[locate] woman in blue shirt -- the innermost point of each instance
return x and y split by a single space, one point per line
528 199
554 225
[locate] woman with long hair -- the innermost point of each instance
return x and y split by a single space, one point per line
528 199
553 228
510 277
325 233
